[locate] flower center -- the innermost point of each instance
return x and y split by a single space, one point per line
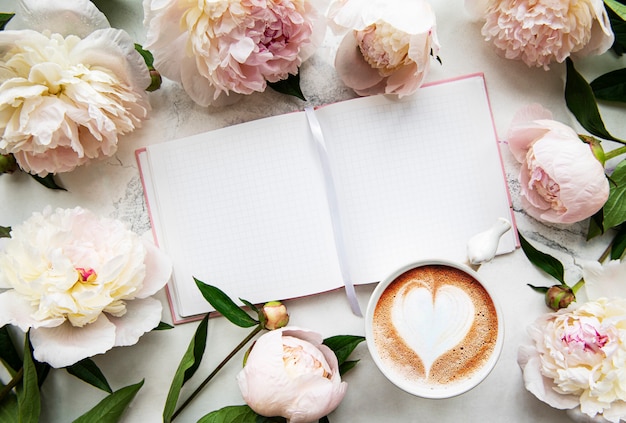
543 184
383 47
297 362
585 336
86 275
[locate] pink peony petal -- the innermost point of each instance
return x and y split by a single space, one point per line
353 70
158 270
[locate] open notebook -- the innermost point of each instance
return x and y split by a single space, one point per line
303 203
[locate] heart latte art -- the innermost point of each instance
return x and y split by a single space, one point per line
435 325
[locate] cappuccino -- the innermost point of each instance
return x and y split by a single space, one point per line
435 330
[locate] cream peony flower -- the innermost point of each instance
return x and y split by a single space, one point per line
388 46
604 280
539 32
70 85
561 180
80 283
577 358
290 373
218 47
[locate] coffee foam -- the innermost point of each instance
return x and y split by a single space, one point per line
443 361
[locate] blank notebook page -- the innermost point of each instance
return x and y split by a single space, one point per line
417 177
249 209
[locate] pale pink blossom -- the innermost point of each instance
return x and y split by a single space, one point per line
216 48
540 32
576 359
290 373
70 86
388 45
82 284
561 180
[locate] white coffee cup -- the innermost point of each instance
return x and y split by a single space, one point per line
434 329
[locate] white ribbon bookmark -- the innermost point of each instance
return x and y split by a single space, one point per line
331 194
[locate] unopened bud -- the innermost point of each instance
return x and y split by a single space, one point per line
559 296
7 163
274 315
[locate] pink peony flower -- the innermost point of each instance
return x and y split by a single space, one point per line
576 359
218 47
539 32
388 46
561 180
80 283
290 373
70 85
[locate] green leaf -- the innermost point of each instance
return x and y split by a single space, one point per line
48 181
540 289
289 86
617 7
111 408
544 261
619 244
187 367
619 29
4 19
5 232
343 345
595 225
87 371
238 414
224 305
615 207
163 326
9 409
249 304
155 76
28 398
611 86
346 366
581 102
8 352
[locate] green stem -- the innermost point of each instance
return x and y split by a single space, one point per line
614 153
12 383
242 344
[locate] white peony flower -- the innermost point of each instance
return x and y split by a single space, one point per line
69 86
539 32
216 48
604 280
388 45
577 358
80 283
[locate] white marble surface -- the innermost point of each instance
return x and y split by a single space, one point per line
112 188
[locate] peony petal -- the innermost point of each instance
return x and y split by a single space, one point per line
66 344
142 315
540 386
78 17
353 70
604 280
158 270
114 49
602 36
16 310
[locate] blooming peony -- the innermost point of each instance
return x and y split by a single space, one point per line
388 47
604 280
218 47
539 32
577 358
80 283
70 85
289 373
561 180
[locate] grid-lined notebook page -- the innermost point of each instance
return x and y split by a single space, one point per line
244 208
415 178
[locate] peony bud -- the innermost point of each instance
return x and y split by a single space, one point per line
7 163
274 315
559 296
